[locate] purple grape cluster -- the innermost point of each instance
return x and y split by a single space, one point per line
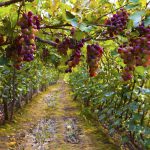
74 45
25 42
74 60
117 23
76 54
29 20
143 30
137 53
63 46
68 43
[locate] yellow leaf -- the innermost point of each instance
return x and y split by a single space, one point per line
143 2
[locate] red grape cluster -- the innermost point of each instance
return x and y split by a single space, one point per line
25 42
74 45
76 54
137 53
63 46
94 53
117 23
69 43
74 60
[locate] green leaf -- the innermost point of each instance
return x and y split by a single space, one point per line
85 28
134 1
121 2
140 70
102 117
109 94
74 22
120 62
132 127
112 131
69 15
136 17
147 21
134 106
79 35
130 25
3 61
125 139
143 2
131 6
145 91
147 143
71 19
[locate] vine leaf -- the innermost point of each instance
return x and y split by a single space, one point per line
71 19
136 17
140 70
69 15
134 1
84 27
3 61
147 21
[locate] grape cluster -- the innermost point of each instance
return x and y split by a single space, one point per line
25 42
29 20
94 53
74 60
74 45
117 23
137 53
63 46
76 54
143 30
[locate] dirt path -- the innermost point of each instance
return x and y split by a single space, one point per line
52 121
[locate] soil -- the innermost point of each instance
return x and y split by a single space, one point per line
53 121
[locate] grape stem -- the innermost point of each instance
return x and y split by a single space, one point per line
50 33
54 44
12 2
56 26
104 39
